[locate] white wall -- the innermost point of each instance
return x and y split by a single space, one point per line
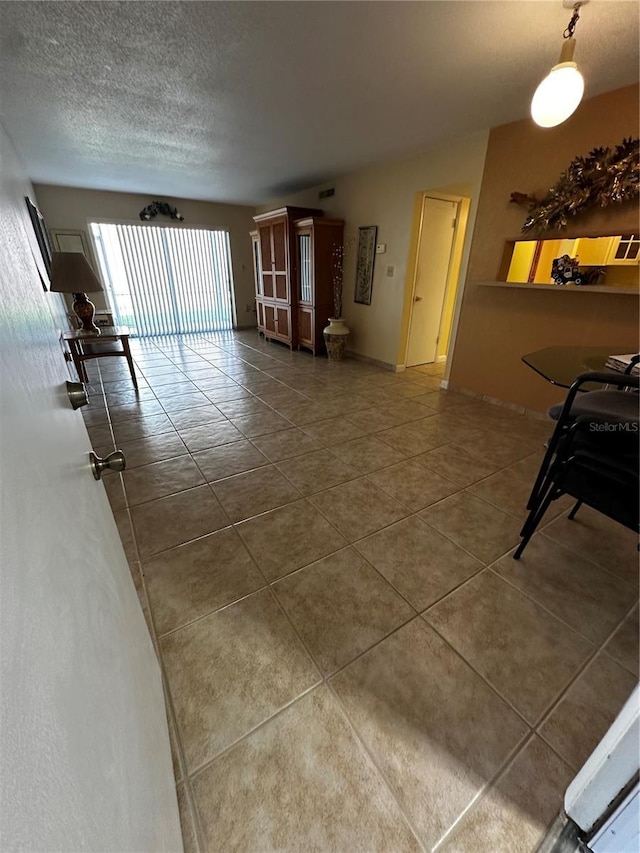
383 195
85 762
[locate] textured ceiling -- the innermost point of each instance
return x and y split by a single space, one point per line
244 101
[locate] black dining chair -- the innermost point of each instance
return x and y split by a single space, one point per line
592 455
580 402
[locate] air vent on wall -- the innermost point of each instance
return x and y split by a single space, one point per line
327 193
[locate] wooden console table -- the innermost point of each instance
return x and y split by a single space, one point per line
77 343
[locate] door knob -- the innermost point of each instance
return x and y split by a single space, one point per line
77 394
113 462
417 298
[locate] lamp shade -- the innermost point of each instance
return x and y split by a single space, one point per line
71 273
558 96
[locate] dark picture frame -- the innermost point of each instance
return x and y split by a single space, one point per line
367 235
42 238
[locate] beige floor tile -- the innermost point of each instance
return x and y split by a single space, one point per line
153 448
584 714
242 408
333 431
435 728
140 427
578 592
367 454
526 654
516 812
187 821
457 464
128 411
358 508
623 646
305 413
182 402
376 419
341 607
600 540
190 418
498 448
410 439
115 491
125 530
160 479
249 494
210 435
301 782
418 561
289 538
509 493
231 671
173 389
482 529
314 472
221 394
218 463
413 485
193 579
285 444
167 522
261 424
527 468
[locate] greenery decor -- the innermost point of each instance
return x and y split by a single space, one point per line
162 208
606 176
337 276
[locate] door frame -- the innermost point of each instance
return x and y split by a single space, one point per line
454 276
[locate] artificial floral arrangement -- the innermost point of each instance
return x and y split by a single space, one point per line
162 208
337 277
606 176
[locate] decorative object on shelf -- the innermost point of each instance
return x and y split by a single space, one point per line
560 93
367 235
71 273
162 208
606 176
42 238
336 335
566 270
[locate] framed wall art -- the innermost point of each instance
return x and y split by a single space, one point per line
364 263
42 239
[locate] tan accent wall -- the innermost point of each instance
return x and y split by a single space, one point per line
385 195
497 326
70 208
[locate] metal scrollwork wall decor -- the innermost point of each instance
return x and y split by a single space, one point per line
162 208
605 176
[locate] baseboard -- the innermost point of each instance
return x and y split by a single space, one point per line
385 365
494 401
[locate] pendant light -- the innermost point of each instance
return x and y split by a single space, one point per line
559 94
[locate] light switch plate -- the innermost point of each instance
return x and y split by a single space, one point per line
381 248
390 271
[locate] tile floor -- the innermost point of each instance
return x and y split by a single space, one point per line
352 659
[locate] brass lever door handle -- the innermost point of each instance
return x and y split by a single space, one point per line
77 394
113 462
417 298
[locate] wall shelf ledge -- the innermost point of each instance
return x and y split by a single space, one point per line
557 288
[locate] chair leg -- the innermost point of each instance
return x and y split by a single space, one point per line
542 473
575 509
530 525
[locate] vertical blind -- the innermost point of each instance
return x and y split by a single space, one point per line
164 281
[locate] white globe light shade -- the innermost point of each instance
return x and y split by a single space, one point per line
558 96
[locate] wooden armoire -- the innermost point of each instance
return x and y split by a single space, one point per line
293 256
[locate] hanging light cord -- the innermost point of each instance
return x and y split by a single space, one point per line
571 26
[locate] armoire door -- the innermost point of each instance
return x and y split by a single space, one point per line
266 260
284 325
279 266
270 322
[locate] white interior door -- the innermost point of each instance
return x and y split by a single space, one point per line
85 759
434 257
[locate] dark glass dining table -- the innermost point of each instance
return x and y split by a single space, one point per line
562 365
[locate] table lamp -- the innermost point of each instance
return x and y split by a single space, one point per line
71 273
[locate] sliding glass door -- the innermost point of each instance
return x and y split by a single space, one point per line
164 281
